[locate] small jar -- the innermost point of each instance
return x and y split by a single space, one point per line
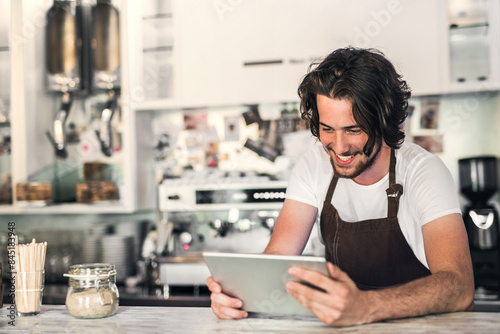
92 291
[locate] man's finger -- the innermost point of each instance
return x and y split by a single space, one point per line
213 286
336 273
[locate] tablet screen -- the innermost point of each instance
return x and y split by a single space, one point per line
259 280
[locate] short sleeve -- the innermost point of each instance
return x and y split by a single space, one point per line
432 190
302 185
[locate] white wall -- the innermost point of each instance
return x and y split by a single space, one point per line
470 125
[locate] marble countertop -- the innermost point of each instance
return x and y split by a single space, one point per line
185 296
55 294
141 319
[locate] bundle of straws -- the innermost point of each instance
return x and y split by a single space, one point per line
29 266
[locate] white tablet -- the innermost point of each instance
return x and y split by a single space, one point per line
259 280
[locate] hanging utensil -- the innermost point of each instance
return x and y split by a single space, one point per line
106 62
104 133
62 64
59 138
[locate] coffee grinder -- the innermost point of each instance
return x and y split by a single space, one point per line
478 182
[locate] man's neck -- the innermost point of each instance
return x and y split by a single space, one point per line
378 170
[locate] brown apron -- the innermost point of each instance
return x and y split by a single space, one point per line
374 252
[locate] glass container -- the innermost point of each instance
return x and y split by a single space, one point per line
92 291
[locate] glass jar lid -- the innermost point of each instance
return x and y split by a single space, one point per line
91 270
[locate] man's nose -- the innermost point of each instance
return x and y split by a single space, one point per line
340 144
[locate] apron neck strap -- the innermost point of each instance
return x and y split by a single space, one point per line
395 190
331 189
392 168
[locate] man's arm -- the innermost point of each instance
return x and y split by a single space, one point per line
449 288
292 228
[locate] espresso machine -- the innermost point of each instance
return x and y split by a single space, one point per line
479 182
213 211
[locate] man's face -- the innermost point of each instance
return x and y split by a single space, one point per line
342 138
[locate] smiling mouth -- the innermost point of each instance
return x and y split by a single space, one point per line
345 157
344 161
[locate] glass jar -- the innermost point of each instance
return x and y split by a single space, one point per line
92 291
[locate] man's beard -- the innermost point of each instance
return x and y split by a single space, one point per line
360 168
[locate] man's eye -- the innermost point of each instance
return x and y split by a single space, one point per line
326 129
354 132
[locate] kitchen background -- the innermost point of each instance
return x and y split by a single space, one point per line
158 99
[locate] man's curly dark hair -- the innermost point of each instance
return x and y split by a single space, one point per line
365 77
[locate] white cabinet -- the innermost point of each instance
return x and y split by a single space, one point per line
236 52
472 46
153 52
230 52
34 109
410 33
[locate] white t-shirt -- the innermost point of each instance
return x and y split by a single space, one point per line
429 191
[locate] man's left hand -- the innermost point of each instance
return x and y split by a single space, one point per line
341 303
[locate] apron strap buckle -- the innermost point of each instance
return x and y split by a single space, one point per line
394 192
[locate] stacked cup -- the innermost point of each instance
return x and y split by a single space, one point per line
29 276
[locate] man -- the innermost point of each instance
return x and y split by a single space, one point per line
390 218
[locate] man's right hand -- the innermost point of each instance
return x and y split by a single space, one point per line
223 306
